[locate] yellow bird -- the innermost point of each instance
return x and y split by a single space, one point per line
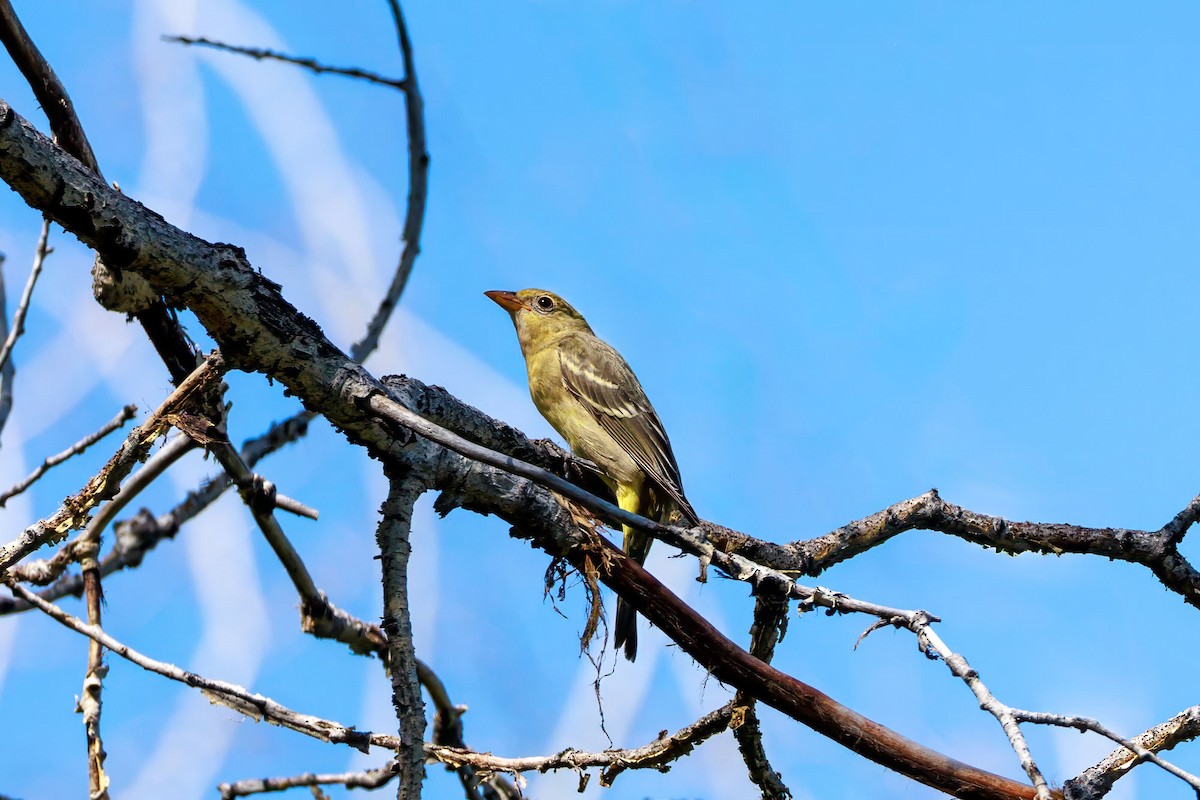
584 388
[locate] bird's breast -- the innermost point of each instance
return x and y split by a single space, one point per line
575 423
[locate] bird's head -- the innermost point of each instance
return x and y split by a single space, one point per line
539 316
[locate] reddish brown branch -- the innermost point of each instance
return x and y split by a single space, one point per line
730 664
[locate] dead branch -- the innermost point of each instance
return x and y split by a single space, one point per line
17 328
221 692
392 537
372 779
123 416
266 54
75 511
1096 781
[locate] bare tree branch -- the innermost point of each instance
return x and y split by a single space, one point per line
74 513
231 695
191 272
372 779
657 754
1096 781
395 548
929 640
90 699
123 416
11 333
18 324
265 54
770 622
418 189
1157 550
8 372
138 536
1085 724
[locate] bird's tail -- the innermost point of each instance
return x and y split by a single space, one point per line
625 629
637 545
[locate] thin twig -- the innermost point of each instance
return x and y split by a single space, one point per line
18 324
83 444
228 694
372 779
418 189
292 506
8 373
928 640
261 54
653 755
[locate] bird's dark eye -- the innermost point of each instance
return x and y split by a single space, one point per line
545 303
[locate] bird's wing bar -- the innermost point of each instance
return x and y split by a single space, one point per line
601 379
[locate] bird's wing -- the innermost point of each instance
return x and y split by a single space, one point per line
596 374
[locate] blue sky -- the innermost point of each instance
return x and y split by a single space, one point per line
853 251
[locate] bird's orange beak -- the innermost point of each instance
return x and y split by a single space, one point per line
506 300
